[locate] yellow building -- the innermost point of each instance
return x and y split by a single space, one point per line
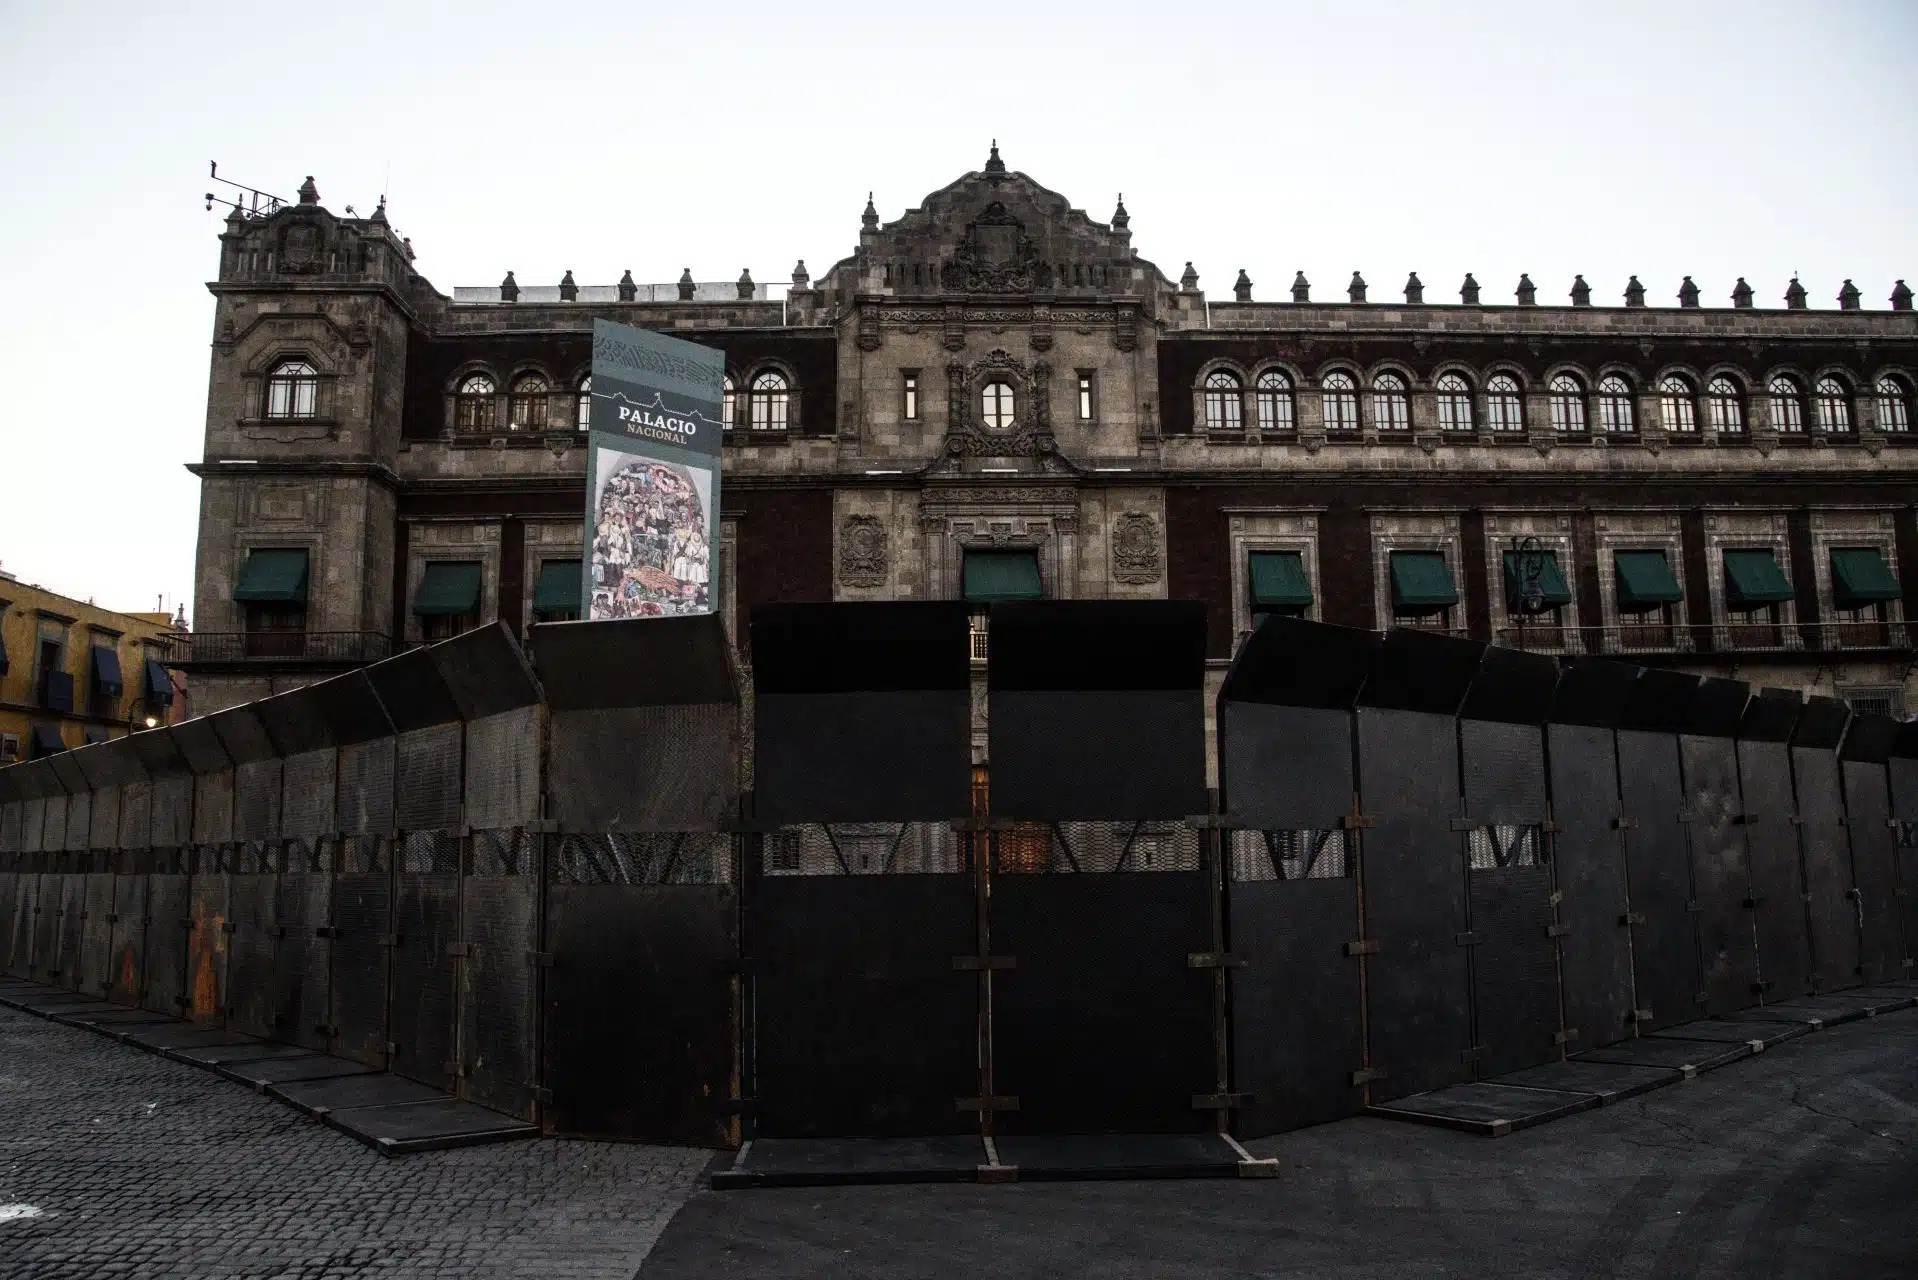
73 673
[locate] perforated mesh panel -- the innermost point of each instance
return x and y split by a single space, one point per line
1509 845
79 819
33 819
172 812
136 815
430 852
1101 848
426 778
104 832
257 801
1254 856
366 787
10 827
498 914
213 807
643 768
502 769
643 857
864 848
504 853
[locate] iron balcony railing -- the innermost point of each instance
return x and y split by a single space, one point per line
202 648
1726 637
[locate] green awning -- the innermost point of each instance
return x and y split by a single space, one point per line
1279 581
1645 581
1860 576
558 588
273 575
159 683
448 587
105 665
1552 591
1752 579
1421 583
1002 575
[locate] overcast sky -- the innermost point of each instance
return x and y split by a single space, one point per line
1718 140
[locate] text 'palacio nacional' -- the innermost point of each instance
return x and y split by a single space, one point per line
996 397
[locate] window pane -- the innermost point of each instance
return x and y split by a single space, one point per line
1894 410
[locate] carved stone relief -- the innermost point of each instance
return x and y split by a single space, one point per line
862 552
1135 548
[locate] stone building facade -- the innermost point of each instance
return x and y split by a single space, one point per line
995 394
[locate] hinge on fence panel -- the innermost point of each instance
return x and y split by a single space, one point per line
1465 939
1366 1075
1465 824
1701 998
1210 822
1472 1054
1794 819
1693 906
391 1047
1854 894
1844 820
1564 1035
181 1002
1363 947
455 1069
1550 827
1640 1015
735 1106
998 1102
1555 897
83 915
1357 822
1894 823
391 940
326 931
1910 963
1753 899
540 959
1213 960
1805 898
459 950
1685 817
1219 1101
1622 823
462 832
1748 819
977 964
1557 930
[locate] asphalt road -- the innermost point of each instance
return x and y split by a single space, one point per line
1802 1161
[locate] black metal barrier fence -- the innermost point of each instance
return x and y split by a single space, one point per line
1428 862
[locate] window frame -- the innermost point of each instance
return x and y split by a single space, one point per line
1338 387
1565 404
909 407
1392 404
769 403
1678 404
1504 398
1787 398
998 404
529 402
1224 389
1455 400
1275 389
1726 405
1616 403
296 380
1894 397
583 403
1831 406
1088 395
475 406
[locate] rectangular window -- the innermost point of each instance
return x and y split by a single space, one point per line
909 406
1001 575
448 599
1278 584
1085 395
272 588
1422 587
556 594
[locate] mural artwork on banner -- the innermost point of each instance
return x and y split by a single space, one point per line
652 487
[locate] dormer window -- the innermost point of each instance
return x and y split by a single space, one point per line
292 390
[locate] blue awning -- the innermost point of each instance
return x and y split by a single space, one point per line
105 665
159 684
46 740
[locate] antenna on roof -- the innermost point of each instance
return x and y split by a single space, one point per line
248 202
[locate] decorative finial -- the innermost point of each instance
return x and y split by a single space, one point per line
568 291
379 212
1468 292
309 194
1414 289
870 218
1741 293
1794 294
1848 297
1190 280
1356 290
800 278
1242 287
1581 292
686 284
1301 288
406 243
509 289
1121 220
746 289
1900 297
627 289
1634 293
1527 291
993 163
1687 293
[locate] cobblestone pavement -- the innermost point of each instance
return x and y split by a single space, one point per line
142 1167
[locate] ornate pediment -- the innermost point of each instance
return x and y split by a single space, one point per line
996 256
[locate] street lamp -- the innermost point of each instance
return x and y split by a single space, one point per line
1528 558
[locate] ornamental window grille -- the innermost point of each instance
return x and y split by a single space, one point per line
1276 408
1725 407
1894 405
771 402
583 411
292 390
1832 402
1787 406
1615 415
474 404
1454 403
1566 399
526 405
1341 396
1224 408
996 406
1391 409
1504 410
1677 405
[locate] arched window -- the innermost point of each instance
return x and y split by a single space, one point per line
292 390
1390 410
583 412
526 406
1341 396
1677 405
996 408
1787 405
771 405
1894 405
1567 400
1725 407
1454 403
1615 406
1832 401
1275 402
727 396
473 407
1223 404
1504 410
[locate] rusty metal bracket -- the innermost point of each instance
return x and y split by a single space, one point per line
1366 1075
459 950
1213 960
1622 823
1555 897
1557 930
1363 947
1640 1015
1357 822
1564 1035
1466 824
1632 918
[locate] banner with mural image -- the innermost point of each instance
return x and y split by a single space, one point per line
652 477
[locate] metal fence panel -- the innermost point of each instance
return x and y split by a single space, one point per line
127 979
97 920
49 904
53 836
208 905
1778 884
1595 952
426 778
1904 807
1721 879
302 962
256 814
1658 876
499 930
167 918
79 822
103 830
647 923
253 926
426 927
73 925
213 808
1832 915
172 822
502 769
23 930
1418 989
136 816
362 923
366 787
1874 861
309 780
